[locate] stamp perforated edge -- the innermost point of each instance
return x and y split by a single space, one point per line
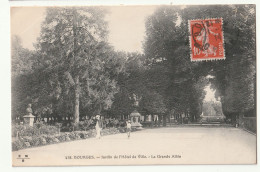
206 59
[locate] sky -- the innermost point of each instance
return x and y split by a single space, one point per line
126 25
126 29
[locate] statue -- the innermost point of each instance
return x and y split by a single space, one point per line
29 118
29 109
135 115
218 107
212 111
136 100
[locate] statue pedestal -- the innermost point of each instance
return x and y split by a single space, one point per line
135 120
212 112
29 119
212 119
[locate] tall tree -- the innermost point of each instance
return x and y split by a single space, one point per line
153 103
167 44
166 48
22 58
73 46
21 66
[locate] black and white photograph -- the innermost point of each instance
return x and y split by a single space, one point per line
133 85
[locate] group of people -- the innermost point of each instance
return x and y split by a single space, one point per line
99 127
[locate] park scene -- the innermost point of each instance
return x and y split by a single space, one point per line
93 83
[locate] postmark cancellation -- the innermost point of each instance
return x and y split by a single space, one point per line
206 39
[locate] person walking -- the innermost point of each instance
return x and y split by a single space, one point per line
128 128
98 127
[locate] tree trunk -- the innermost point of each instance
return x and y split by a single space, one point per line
76 106
159 120
164 120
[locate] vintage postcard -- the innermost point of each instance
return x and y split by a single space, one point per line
133 85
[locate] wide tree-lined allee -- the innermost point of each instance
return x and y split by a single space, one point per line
167 45
74 71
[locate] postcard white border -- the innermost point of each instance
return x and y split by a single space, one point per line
5 157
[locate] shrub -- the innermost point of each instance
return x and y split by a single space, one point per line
77 135
92 133
109 131
43 141
72 136
17 145
58 125
85 134
27 139
47 129
115 123
35 141
39 124
67 127
16 129
44 136
82 135
87 124
37 130
122 124
27 144
104 132
67 138
81 126
30 131
50 139
55 140
61 137
122 130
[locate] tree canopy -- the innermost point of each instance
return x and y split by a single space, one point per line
167 45
74 66
75 72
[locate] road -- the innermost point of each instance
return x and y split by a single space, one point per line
185 145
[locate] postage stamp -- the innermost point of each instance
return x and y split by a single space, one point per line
206 39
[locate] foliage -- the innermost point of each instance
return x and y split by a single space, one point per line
167 52
152 102
74 41
235 76
74 68
17 145
167 45
39 140
81 126
36 130
21 65
122 105
62 137
36 141
22 59
75 71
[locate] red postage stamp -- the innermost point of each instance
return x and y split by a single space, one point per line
206 39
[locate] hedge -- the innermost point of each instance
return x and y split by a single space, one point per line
37 130
45 139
